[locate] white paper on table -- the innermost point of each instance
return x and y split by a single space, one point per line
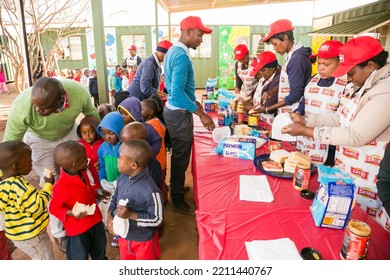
280 121
277 249
255 188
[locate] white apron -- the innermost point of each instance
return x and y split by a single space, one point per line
247 81
362 163
284 86
321 101
268 118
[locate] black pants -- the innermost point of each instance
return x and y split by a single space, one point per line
90 243
180 126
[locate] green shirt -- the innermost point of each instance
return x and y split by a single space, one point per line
23 117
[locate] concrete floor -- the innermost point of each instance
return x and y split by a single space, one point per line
179 238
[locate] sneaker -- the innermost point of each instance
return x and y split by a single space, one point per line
114 241
61 243
184 208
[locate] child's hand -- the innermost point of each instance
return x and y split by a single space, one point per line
122 211
103 195
79 216
97 166
49 179
110 222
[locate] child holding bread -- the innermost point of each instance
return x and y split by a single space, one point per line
24 207
85 231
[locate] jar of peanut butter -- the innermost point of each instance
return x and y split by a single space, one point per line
356 241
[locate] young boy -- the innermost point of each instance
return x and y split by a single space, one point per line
137 130
104 109
149 111
145 206
93 88
125 80
85 231
87 131
118 78
108 153
24 207
131 111
77 75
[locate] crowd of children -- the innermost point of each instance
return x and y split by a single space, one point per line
125 150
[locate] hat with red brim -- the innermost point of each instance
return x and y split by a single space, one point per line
279 26
194 22
262 60
356 51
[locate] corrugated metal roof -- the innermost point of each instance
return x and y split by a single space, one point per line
174 6
355 26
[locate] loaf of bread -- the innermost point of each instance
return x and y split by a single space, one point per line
289 165
300 157
279 155
272 166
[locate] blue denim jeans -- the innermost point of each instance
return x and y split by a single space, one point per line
180 126
90 243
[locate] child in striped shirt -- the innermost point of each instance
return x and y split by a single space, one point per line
25 207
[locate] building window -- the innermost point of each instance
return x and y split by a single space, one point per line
137 40
204 50
71 48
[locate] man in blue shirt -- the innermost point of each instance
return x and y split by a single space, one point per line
181 104
147 79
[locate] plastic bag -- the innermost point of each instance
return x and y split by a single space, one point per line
121 226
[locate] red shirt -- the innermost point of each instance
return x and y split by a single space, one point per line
66 192
92 154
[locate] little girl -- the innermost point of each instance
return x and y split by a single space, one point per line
3 82
87 131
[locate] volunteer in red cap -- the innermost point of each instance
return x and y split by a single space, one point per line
146 81
267 70
322 96
133 59
245 83
361 126
181 105
296 69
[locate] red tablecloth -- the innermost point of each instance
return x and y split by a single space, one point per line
225 223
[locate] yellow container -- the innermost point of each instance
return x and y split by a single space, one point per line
252 120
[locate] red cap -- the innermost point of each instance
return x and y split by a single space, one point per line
194 22
263 59
240 51
329 49
133 48
164 46
355 51
279 26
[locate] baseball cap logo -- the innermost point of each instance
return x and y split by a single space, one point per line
341 58
324 48
238 52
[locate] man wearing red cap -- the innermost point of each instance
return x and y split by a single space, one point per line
181 104
361 125
245 84
146 81
296 69
133 59
322 96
